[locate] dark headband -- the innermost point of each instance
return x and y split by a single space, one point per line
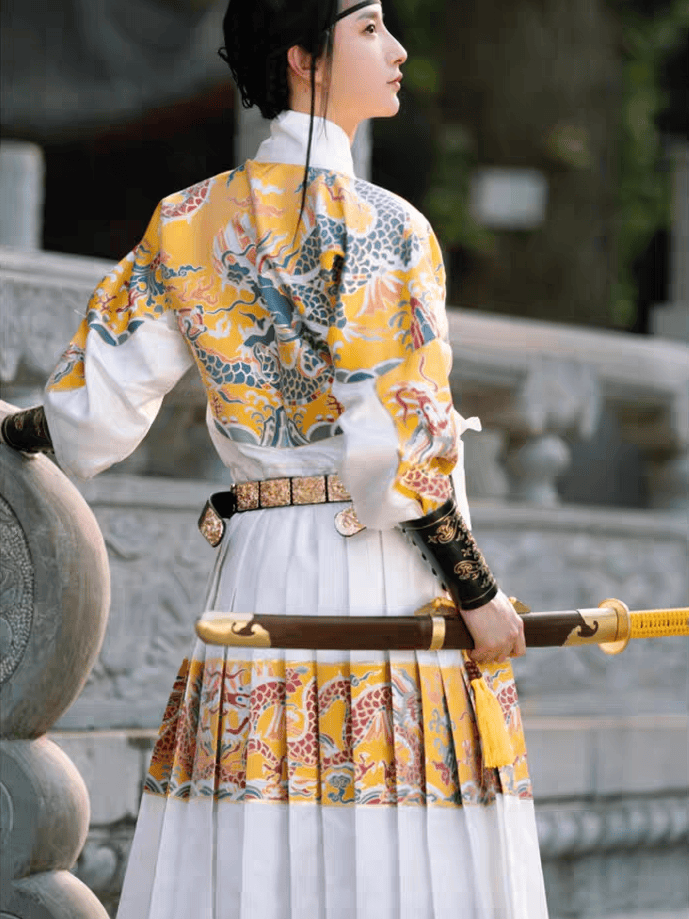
353 9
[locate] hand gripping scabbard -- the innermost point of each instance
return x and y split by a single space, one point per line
447 545
27 431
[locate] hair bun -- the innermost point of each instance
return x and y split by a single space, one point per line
258 34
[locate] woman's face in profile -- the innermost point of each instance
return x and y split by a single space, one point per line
366 62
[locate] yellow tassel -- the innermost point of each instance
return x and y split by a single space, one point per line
496 745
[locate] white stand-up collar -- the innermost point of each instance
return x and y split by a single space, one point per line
289 138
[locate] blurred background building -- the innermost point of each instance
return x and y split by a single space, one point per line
549 146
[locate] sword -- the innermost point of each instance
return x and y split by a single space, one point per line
437 625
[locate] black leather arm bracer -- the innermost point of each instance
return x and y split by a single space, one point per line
446 543
27 431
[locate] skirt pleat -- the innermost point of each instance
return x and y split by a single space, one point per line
329 785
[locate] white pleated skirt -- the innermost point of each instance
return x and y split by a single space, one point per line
329 785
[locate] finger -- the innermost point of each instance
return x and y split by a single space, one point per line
521 643
519 649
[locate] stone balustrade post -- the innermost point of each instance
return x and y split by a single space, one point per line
537 407
534 464
668 481
539 386
555 399
54 600
22 170
662 433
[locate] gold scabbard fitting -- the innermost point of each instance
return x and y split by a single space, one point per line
438 634
235 631
437 611
623 627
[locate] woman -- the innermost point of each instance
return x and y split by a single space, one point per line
301 784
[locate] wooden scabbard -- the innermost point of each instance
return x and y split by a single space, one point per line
333 633
438 626
433 628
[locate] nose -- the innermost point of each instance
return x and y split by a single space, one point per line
398 53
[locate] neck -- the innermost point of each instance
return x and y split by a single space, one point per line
300 105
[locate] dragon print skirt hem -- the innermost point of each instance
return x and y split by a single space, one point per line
289 784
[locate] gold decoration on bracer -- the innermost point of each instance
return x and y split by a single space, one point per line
446 531
236 630
467 571
27 431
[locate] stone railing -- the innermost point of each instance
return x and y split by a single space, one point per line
541 385
54 599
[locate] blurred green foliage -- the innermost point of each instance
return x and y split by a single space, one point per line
451 150
423 22
447 201
643 190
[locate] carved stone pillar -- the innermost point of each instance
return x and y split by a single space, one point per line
54 599
541 386
554 399
534 465
668 481
661 428
22 171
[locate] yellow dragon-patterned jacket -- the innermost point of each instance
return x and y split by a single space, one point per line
337 334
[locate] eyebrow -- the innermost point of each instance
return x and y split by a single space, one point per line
372 14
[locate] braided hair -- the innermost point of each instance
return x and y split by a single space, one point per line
258 35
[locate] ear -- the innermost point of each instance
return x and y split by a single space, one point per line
299 63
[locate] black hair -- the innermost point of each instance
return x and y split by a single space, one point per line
258 35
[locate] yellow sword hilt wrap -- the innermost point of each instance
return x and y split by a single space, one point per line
644 623
659 623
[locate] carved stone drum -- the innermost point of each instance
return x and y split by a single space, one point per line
54 600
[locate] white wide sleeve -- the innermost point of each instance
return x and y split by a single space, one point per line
127 354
